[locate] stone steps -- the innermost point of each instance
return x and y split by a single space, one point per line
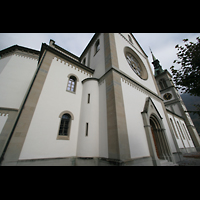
167 163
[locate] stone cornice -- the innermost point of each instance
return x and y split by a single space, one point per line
75 67
4 111
64 51
127 79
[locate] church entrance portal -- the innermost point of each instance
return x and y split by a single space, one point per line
159 139
154 139
158 144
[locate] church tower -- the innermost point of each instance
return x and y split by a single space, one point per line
157 66
172 98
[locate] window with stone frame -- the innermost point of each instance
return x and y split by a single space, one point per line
64 125
71 84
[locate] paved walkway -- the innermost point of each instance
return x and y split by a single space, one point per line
190 159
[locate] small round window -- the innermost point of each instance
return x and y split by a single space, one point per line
135 63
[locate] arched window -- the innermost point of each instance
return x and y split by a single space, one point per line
71 84
64 125
66 118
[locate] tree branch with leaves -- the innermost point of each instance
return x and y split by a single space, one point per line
187 78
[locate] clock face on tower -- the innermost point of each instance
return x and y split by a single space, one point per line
135 63
167 96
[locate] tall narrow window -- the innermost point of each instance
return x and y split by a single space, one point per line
84 60
180 130
97 46
64 125
88 98
86 131
186 131
174 128
71 84
162 84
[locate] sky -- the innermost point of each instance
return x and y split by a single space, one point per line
162 44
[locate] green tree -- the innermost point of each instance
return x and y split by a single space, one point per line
187 78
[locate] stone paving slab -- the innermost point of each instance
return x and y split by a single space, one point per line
192 155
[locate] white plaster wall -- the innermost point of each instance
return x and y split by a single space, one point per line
97 61
41 140
124 66
134 101
87 59
88 146
176 109
15 79
134 42
4 61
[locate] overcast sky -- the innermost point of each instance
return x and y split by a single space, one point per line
162 44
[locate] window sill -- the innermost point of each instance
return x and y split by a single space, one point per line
96 52
62 137
71 92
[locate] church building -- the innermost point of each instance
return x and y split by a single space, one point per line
104 108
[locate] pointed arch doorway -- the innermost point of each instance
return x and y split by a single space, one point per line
156 134
158 138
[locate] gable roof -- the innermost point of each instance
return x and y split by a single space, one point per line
17 47
147 106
